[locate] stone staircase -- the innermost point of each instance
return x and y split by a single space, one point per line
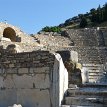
96 73
92 52
91 94
88 95
87 54
83 37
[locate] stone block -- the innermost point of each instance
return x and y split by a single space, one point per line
22 81
6 62
11 71
85 75
5 39
1 71
1 82
11 65
78 66
39 70
41 81
27 81
34 97
9 82
10 96
23 71
74 56
13 48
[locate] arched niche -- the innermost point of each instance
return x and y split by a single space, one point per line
10 33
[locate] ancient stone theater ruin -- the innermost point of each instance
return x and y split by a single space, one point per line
53 70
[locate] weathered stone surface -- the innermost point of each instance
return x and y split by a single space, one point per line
74 71
39 70
32 79
9 96
1 82
85 75
5 39
62 77
9 82
11 65
78 66
70 65
74 56
75 77
23 71
34 98
4 72
13 48
39 81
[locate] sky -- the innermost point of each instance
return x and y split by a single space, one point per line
32 15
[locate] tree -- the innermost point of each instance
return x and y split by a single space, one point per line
46 29
105 12
80 16
93 15
83 22
99 14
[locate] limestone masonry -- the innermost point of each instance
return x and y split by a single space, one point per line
33 73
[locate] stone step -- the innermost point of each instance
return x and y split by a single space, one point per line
65 106
96 71
81 106
98 78
91 85
95 77
93 80
94 61
88 91
96 74
86 101
92 65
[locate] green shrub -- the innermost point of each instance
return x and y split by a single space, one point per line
52 29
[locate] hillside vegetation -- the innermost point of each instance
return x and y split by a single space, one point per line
93 18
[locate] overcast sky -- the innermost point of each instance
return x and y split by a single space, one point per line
32 15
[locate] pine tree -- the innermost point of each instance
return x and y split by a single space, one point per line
93 15
105 12
99 14
83 22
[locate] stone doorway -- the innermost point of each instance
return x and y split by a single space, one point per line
10 33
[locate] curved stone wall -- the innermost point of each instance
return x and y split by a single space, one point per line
14 31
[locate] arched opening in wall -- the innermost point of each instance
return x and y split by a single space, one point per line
10 33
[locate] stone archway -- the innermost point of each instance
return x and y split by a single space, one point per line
10 33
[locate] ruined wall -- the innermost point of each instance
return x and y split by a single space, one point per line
36 79
20 36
